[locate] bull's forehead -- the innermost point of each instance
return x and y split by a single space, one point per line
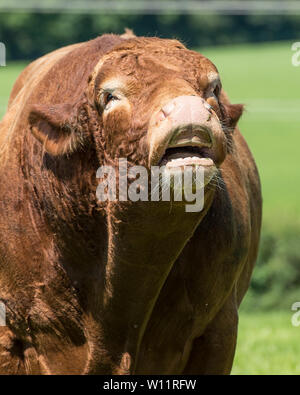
154 61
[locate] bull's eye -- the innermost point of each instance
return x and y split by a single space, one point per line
217 91
107 99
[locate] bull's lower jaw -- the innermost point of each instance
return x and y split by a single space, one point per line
144 242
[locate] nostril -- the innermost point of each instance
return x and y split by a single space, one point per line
168 108
160 116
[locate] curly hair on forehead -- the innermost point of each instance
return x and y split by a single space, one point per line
157 54
137 43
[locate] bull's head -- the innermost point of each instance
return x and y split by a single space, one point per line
156 103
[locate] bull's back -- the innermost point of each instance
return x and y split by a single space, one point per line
36 70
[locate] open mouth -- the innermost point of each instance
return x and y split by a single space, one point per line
189 146
177 157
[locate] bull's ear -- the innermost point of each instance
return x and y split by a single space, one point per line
232 114
55 127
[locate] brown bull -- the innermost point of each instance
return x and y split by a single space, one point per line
122 287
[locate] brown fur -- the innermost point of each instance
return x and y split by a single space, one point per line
116 288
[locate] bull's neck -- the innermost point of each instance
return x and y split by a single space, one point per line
144 242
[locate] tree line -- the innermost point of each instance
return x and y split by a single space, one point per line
30 35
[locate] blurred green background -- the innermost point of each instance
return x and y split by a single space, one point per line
253 54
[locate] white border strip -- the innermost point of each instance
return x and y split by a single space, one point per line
153 7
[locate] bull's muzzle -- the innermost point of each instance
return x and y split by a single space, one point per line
186 132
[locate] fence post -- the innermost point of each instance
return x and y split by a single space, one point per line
2 54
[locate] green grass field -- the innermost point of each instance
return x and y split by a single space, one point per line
267 344
263 78
8 75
